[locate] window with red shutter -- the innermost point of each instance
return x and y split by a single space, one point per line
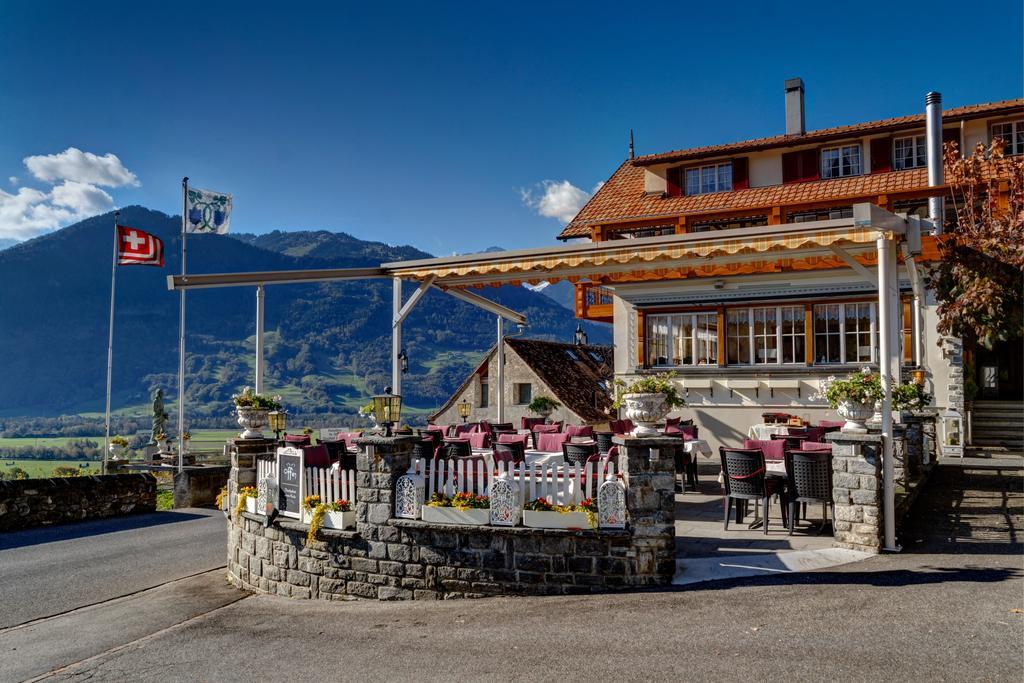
740 174
673 177
800 167
881 155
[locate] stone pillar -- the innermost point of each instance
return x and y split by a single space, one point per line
857 490
243 463
381 461
648 471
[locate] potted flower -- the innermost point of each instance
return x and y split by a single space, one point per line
161 441
308 507
252 409
543 406
222 500
540 513
853 398
647 401
339 515
118 447
246 501
462 508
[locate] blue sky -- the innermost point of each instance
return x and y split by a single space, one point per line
424 123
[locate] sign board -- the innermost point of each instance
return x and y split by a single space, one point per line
291 481
331 433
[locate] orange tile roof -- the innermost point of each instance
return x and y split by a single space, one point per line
624 199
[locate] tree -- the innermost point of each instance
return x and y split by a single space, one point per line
979 280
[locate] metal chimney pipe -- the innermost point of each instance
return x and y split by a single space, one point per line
936 175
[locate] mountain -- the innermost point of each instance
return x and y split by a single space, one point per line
563 292
327 344
6 242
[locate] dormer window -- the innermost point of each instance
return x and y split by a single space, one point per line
1012 133
840 162
909 152
707 179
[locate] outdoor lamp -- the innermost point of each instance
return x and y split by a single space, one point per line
277 420
952 433
387 408
403 361
464 409
580 336
918 376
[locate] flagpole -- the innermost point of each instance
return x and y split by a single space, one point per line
181 331
110 345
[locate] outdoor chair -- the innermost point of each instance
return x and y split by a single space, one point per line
773 449
454 449
436 436
316 456
479 439
335 449
509 453
522 439
579 430
499 427
297 440
743 474
792 441
809 480
686 463
577 453
531 422
423 449
604 441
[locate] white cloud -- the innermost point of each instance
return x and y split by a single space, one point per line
556 199
83 167
74 192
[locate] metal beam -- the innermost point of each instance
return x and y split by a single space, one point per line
501 369
260 304
874 217
888 298
396 336
413 300
853 263
271 277
486 304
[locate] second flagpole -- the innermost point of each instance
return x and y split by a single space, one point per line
181 331
110 345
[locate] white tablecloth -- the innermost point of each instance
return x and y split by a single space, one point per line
532 457
763 432
697 446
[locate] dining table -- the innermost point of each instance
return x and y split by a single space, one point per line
763 432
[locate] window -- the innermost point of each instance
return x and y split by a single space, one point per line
766 328
485 399
729 224
524 394
683 339
830 213
840 162
909 152
845 333
767 335
572 355
907 323
792 335
1012 133
705 179
737 335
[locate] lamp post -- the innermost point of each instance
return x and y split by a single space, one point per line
387 408
464 409
277 420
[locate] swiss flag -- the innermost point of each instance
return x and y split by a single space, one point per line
138 248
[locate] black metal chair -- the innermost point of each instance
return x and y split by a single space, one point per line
743 473
604 441
686 464
577 453
792 440
514 453
423 449
455 449
502 427
809 480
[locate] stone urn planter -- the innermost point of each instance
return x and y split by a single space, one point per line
855 415
544 414
451 515
646 411
556 520
252 420
117 451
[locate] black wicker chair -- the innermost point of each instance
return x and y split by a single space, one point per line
809 479
423 449
455 449
503 427
604 441
577 453
792 440
743 473
509 452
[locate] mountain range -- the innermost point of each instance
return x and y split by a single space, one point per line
327 344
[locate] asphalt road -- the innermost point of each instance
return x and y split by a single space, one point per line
48 571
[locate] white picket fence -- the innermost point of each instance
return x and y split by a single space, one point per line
559 484
265 468
331 484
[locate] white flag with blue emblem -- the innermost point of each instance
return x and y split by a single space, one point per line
208 212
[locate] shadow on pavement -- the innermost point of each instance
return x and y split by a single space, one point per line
94 527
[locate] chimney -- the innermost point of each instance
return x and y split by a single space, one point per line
933 136
795 107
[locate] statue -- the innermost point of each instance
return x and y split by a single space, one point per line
159 417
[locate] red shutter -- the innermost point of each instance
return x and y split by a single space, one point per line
800 167
740 174
951 135
674 177
881 155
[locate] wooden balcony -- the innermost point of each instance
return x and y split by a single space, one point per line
593 302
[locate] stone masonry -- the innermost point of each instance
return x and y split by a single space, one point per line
28 503
857 490
387 558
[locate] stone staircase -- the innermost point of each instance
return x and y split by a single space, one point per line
997 428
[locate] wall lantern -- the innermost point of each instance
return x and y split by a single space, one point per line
918 376
580 337
403 361
277 420
387 409
464 409
952 434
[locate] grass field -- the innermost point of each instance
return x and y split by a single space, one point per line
15 442
41 469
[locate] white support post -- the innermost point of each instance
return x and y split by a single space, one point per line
501 369
260 294
396 336
888 299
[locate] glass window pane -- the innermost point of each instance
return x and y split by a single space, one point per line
682 340
693 181
737 337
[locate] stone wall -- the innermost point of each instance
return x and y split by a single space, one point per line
199 487
29 503
388 558
857 490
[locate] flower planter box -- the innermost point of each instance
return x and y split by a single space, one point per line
250 506
340 520
556 520
471 516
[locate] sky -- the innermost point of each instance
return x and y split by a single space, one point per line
452 127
